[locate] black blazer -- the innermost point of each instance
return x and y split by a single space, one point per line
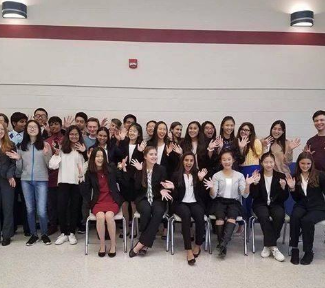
158 175
90 188
315 195
180 189
7 165
277 195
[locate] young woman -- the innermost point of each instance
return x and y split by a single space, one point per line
101 193
188 203
150 198
69 160
175 130
7 186
34 155
135 146
150 127
308 190
209 131
4 120
268 196
280 147
227 187
227 131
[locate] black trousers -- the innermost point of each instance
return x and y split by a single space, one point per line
20 211
68 207
7 196
271 228
303 220
186 211
52 206
151 216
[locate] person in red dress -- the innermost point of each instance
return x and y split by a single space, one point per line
101 193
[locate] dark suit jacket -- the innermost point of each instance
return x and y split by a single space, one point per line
7 165
277 195
315 195
90 188
158 175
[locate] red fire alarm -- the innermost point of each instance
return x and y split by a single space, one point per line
133 63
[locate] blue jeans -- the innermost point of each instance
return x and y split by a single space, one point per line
35 192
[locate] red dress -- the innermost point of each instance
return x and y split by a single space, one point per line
105 201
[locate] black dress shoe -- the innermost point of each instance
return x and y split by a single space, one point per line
222 251
111 254
197 255
307 258
294 256
102 254
6 242
132 253
191 262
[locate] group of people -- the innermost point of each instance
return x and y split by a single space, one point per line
62 170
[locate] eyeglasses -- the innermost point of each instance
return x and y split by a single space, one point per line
245 130
36 116
32 127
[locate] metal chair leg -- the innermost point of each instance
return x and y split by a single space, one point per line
124 235
172 235
132 232
253 234
245 237
168 235
87 237
210 244
284 232
206 236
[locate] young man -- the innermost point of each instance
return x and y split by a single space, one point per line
316 144
41 116
92 128
55 140
81 119
18 121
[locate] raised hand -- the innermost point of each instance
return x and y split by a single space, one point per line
165 195
201 174
266 141
46 148
290 181
253 179
89 152
47 128
13 155
136 164
12 182
120 134
167 184
208 183
308 149
67 122
283 183
80 147
177 149
219 140
142 146
293 144
213 144
104 122
243 142
123 163
169 148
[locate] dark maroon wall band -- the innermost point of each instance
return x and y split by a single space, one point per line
160 35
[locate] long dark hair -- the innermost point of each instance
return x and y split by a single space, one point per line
201 144
282 139
227 118
172 126
313 179
66 143
251 138
205 123
144 167
39 143
154 139
139 129
265 155
92 168
108 142
181 170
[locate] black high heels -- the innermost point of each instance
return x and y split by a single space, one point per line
102 254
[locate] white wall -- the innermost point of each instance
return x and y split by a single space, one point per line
184 82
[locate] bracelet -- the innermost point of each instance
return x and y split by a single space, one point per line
210 150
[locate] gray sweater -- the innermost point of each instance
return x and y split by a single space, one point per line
34 164
237 188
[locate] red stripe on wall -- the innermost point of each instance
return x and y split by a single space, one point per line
160 35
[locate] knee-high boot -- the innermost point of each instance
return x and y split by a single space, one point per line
228 231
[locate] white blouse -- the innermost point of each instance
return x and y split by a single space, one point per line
189 196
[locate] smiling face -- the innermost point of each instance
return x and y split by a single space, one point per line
208 131
133 133
2 121
268 164
193 130
20 125
2 131
32 129
177 131
277 131
92 127
150 127
305 165
128 122
99 159
74 136
188 163
227 161
228 127
161 131
80 123
151 156
102 137
55 127
245 131
40 117
319 123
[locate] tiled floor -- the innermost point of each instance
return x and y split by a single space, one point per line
67 266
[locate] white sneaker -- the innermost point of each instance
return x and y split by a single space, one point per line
266 252
61 239
277 254
72 239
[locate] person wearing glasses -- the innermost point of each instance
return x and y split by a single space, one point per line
41 116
